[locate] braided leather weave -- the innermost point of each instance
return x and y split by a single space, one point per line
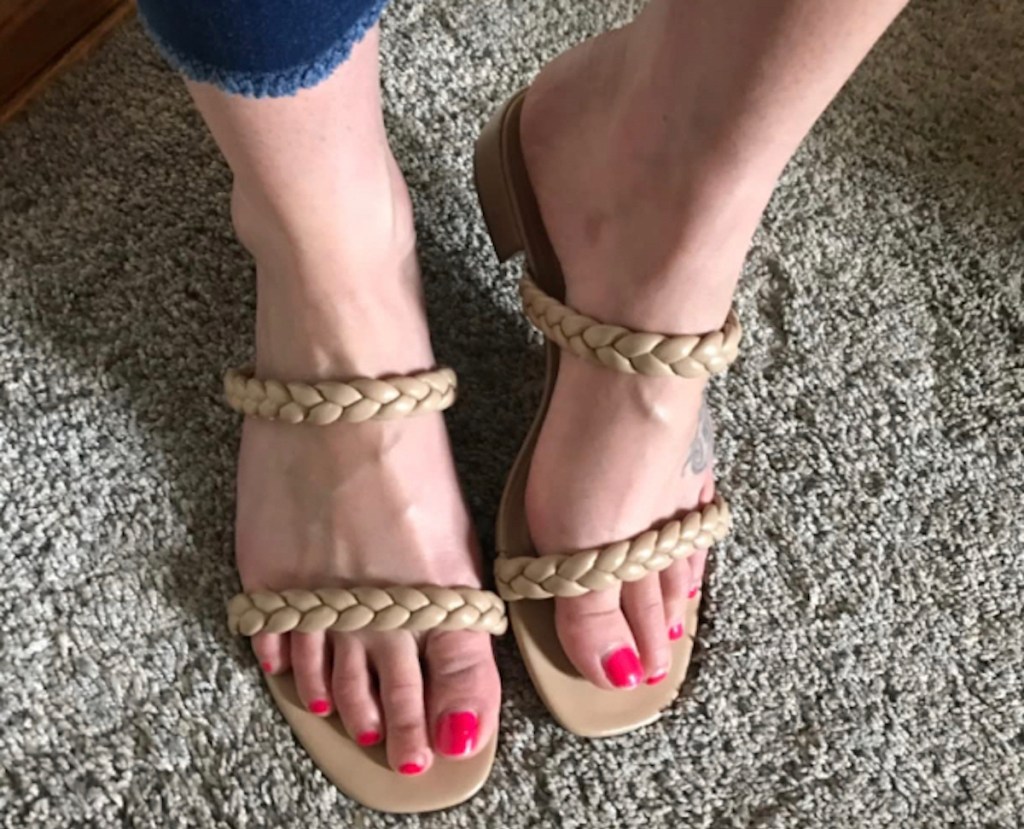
632 352
370 608
351 401
564 576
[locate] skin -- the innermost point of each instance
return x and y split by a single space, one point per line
702 448
653 150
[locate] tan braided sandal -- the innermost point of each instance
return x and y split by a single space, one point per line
363 773
525 579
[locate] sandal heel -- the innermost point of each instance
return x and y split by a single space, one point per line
491 177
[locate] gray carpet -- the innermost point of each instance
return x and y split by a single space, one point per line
862 658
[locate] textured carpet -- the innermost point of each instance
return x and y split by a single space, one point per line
862 659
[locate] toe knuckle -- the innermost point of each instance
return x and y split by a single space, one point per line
350 688
402 695
406 728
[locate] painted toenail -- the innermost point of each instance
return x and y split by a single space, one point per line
410 768
622 667
320 706
267 667
654 679
368 738
676 632
693 592
457 733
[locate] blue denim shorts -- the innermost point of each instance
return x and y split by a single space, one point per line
258 48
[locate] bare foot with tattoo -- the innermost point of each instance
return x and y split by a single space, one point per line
640 452
653 151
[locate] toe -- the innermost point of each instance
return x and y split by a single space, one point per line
272 652
311 669
352 690
641 602
464 691
597 639
675 586
395 657
700 557
696 575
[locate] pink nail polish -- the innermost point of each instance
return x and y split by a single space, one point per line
654 679
410 768
676 632
457 733
693 592
320 706
267 667
368 738
622 667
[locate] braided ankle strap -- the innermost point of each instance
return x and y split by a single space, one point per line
632 352
370 608
564 576
352 401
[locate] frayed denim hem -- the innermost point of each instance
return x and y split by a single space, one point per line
276 84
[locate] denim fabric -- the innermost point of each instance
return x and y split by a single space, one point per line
258 48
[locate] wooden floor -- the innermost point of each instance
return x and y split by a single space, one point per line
40 38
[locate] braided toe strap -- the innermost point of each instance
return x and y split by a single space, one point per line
632 352
352 401
563 576
367 608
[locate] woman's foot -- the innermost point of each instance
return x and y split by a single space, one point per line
651 229
369 503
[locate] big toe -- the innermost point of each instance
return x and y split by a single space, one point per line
464 693
597 639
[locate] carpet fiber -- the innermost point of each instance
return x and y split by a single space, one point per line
862 657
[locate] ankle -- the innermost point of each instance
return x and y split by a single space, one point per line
364 221
651 227
336 282
648 194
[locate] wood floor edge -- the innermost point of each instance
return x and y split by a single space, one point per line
75 53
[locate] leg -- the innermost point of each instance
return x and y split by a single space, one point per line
653 150
320 203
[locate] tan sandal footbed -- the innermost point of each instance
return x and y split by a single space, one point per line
363 773
515 225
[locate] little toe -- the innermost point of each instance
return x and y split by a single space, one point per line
352 689
697 562
273 652
597 639
311 668
642 604
395 656
464 691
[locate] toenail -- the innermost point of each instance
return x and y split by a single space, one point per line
693 592
267 667
622 667
654 679
320 706
676 632
457 732
368 738
410 768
